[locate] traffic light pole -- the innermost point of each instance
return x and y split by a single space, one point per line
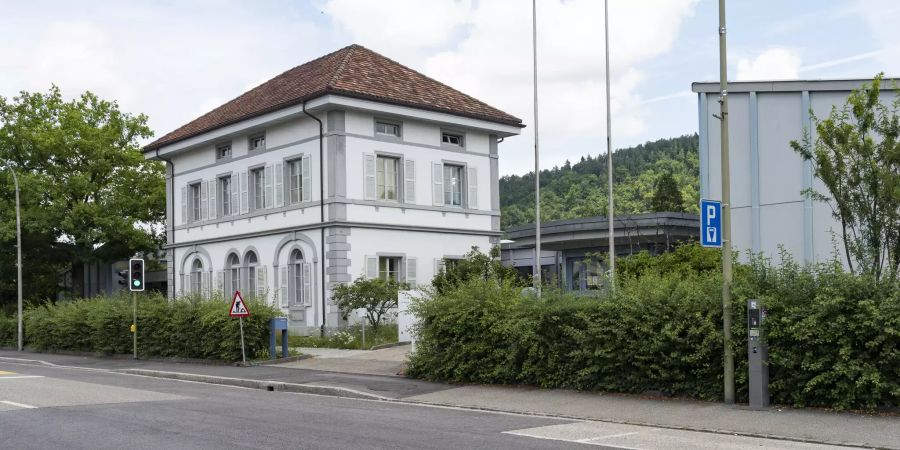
134 321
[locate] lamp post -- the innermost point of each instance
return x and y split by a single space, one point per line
609 165
537 164
18 254
726 212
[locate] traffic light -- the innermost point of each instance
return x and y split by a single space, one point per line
136 274
123 277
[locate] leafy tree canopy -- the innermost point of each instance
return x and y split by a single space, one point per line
88 194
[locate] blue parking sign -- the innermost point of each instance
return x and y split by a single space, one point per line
710 223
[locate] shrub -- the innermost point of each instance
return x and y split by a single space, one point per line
193 328
834 338
474 265
375 295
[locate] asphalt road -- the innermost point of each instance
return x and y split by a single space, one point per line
51 408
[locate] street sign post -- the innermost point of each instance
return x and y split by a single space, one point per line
239 310
135 285
710 223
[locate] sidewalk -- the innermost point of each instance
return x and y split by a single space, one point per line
389 361
802 425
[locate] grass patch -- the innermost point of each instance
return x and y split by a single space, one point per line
349 338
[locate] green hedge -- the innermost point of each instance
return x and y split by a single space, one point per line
193 328
833 337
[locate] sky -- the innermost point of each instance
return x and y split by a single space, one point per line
175 60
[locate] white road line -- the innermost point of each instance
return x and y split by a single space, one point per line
19 377
610 436
17 405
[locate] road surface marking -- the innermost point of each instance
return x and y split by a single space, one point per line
19 377
3 372
17 405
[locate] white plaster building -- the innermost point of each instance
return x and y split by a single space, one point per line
407 168
768 208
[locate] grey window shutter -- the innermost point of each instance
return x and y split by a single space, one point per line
279 185
212 198
369 182
438 265
204 284
261 282
409 175
307 284
371 267
235 193
283 290
270 195
306 175
437 181
411 272
203 203
220 281
473 188
245 197
184 216
182 291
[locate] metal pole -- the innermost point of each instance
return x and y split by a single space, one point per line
537 163
18 258
134 320
726 212
243 353
609 164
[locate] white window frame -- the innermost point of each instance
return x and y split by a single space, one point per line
196 276
254 138
223 151
382 175
296 282
448 185
292 178
447 138
225 190
257 184
383 127
250 268
233 268
195 197
385 270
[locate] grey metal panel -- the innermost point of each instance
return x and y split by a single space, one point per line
704 145
739 148
847 85
781 167
808 249
754 173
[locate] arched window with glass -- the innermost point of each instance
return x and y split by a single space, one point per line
250 265
296 273
196 276
232 275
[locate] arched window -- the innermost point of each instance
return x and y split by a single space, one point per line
296 280
196 275
251 261
232 275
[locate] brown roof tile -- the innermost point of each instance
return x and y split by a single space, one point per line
353 71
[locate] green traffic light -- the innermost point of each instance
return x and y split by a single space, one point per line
137 283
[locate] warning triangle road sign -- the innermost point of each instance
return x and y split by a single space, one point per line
238 307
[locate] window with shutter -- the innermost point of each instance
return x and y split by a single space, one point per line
270 197
279 185
411 272
234 188
307 179
371 267
184 213
204 213
369 181
211 189
437 181
283 289
307 284
261 283
472 181
409 184
245 198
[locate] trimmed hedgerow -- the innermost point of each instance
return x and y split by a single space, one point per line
834 338
193 328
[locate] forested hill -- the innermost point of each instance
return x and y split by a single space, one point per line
655 176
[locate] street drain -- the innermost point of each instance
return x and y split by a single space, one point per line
270 388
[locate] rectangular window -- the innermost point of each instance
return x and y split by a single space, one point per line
453 185
452 139
389 268
195 201
225 191
386 173
387 129
295 180
257 142
223 151
258 180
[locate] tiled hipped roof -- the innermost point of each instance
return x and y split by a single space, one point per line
353 71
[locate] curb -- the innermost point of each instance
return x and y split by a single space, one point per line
266 385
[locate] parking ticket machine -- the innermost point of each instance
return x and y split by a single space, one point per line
758 356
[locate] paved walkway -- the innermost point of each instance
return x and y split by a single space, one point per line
386 362
881 431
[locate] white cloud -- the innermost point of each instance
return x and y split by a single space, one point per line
492 60
772 64
881 18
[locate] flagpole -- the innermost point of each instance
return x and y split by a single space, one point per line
609 151
537 164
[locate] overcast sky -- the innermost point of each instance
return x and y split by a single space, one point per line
175 60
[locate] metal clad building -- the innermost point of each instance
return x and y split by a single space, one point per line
767 176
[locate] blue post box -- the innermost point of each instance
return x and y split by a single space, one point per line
279 324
